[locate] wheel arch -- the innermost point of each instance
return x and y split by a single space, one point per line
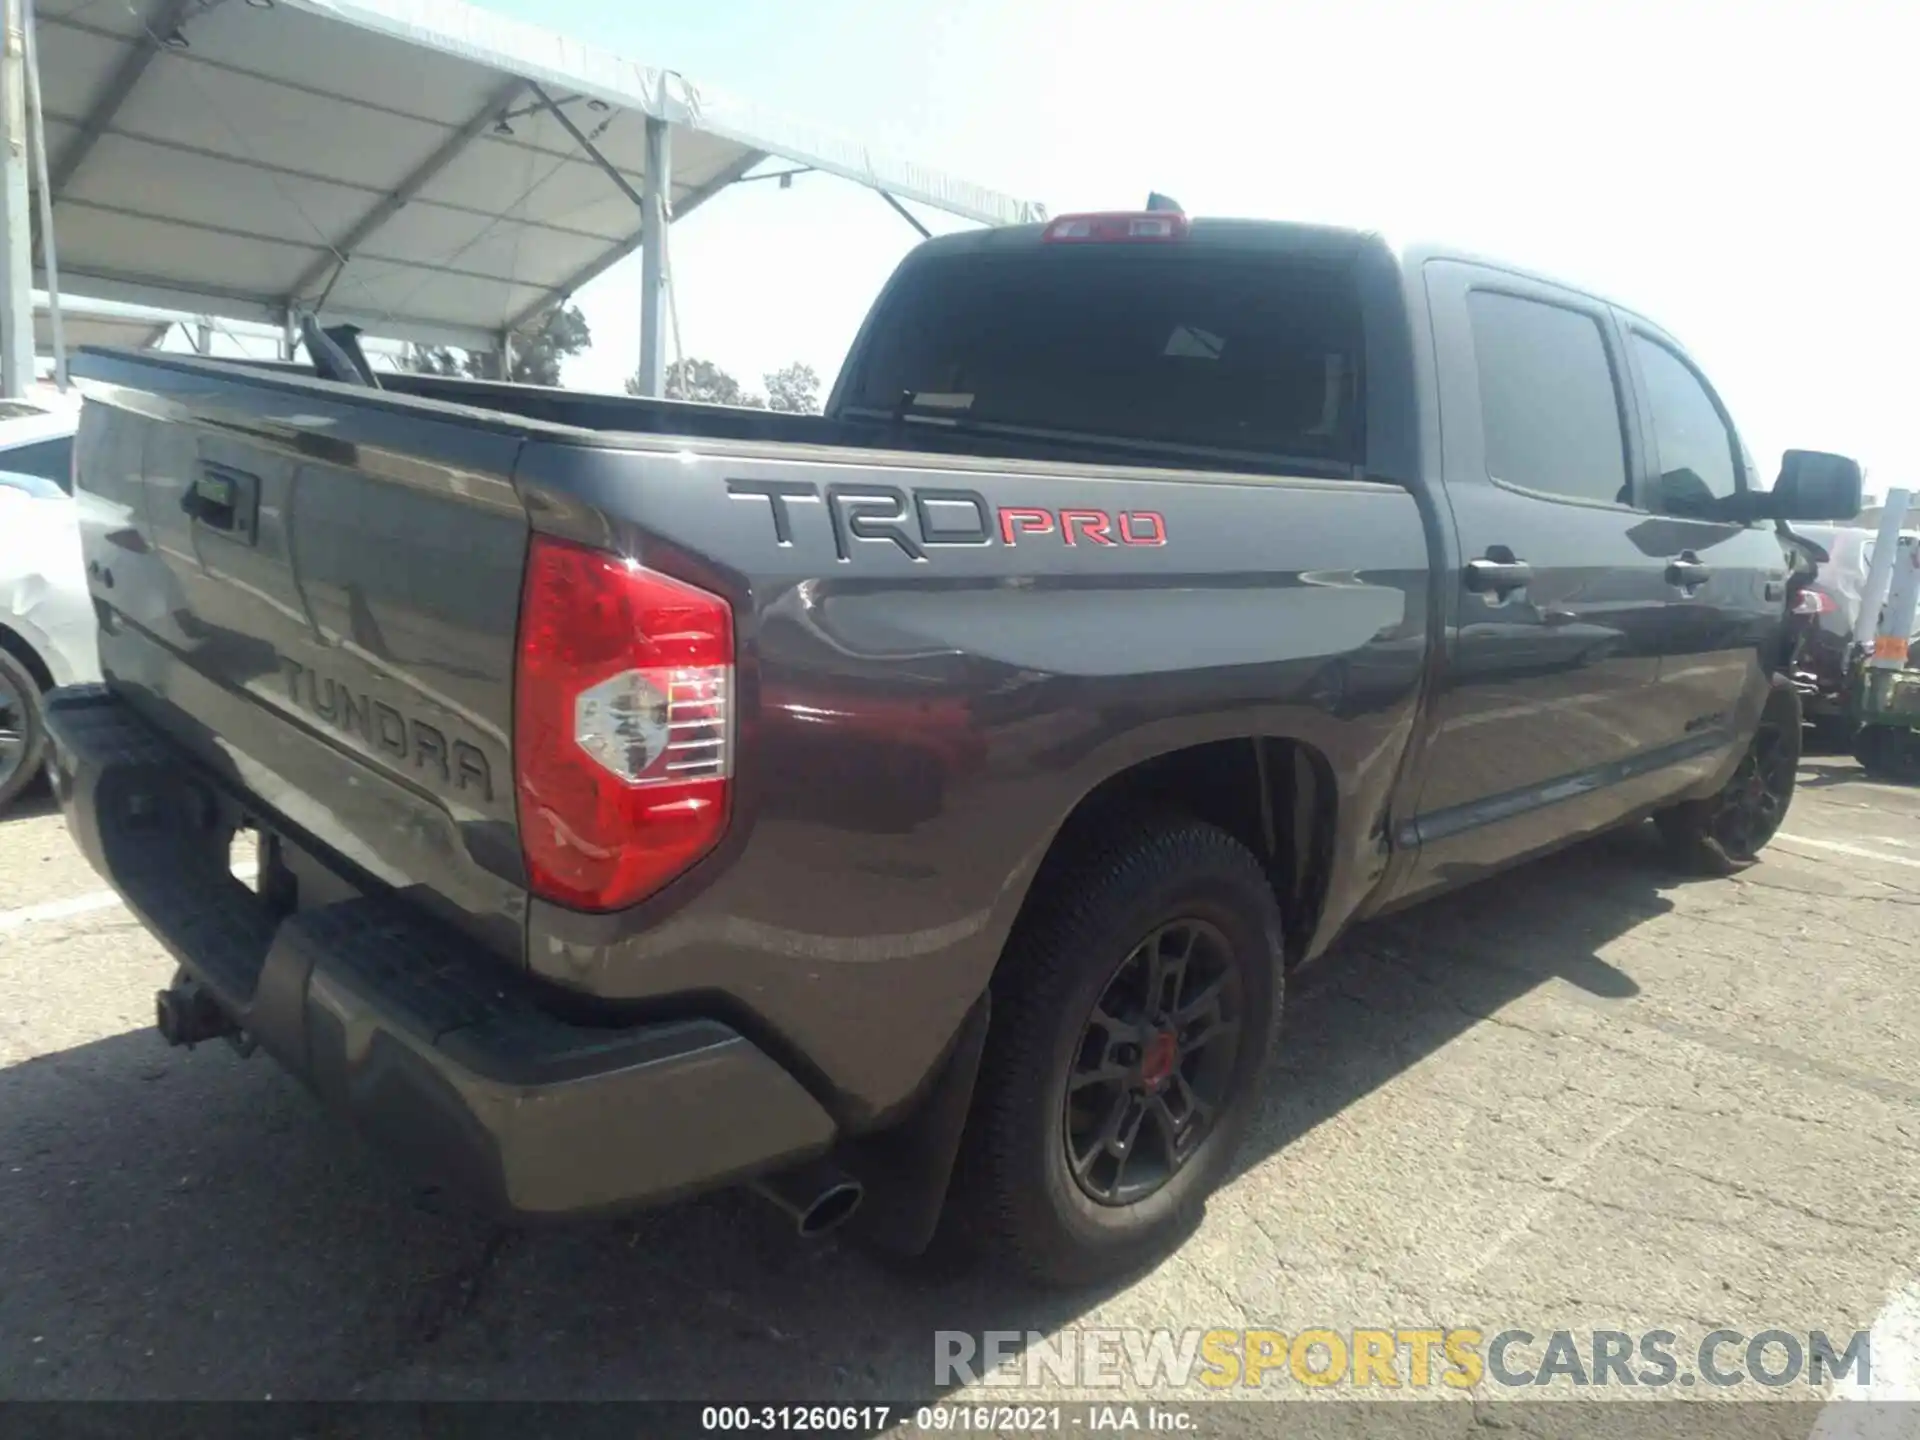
1276 794
18 646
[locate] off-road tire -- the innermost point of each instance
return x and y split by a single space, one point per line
1888 752
1020 1202
22 765
1725 832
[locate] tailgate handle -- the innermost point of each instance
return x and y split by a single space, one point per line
224 499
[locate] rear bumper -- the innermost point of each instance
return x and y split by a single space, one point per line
433 1053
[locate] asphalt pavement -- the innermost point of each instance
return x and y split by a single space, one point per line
1588 1095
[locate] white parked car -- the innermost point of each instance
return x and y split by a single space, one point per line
46 618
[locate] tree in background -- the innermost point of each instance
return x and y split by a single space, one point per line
432 360
795 389
537 353
702 382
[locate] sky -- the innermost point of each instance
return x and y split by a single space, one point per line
1743 174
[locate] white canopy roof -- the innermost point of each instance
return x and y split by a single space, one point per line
434 171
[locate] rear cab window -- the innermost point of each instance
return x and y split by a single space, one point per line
1188 348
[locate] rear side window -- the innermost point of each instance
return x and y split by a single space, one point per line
1696 447
1549 406
1229 352
49 459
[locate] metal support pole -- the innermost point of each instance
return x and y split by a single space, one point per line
1893 638
506 354
289 337
585 142
1893 514
16 224
50 252
655 187
203 337
905 214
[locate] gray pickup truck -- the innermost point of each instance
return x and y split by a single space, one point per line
914 810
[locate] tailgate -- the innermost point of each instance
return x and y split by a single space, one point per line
316 593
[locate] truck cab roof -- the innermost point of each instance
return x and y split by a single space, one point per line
1302 239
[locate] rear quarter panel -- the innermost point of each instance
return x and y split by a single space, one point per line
915 727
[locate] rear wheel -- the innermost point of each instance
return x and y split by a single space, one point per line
1889 752
1132 1016
1834 734
22 736
1726 831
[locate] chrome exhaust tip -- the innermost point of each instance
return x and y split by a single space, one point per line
817 1197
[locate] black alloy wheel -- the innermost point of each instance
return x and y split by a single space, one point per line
1155 1063
1132 1015
1754 803
1725 831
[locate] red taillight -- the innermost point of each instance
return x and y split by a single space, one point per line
622 739
1119 226
1814 602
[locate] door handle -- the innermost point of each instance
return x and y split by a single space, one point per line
1686 572
1497 577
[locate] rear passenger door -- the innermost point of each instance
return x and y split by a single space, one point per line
1726 603
1543 724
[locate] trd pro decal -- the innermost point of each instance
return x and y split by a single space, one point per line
919 519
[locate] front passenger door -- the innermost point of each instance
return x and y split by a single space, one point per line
1726 608
1541 725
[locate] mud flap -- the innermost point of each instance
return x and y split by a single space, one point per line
906 1170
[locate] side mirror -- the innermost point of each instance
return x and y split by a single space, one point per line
1814 485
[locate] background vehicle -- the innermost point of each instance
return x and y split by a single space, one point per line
1881 697
46 618
1132 586
1823 626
